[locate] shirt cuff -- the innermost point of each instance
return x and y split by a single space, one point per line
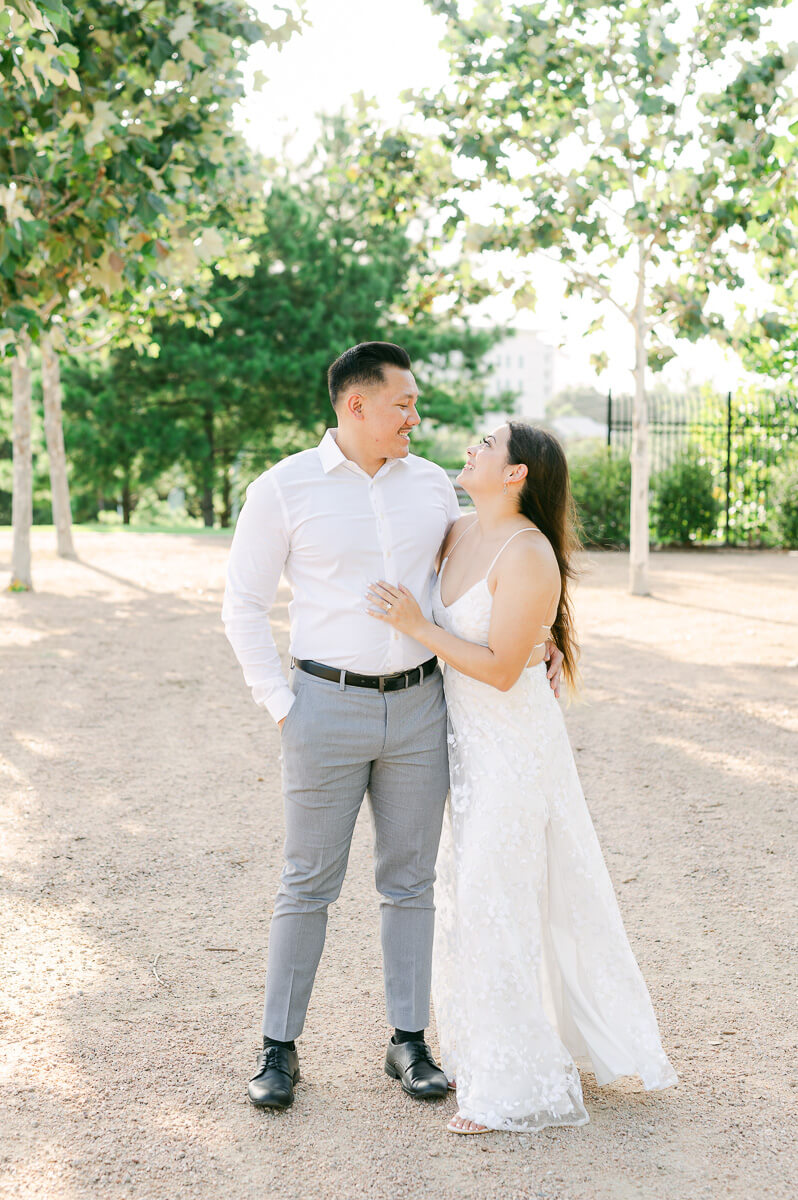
280 704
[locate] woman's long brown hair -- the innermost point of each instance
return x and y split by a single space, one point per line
546 501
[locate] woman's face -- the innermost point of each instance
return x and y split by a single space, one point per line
486 463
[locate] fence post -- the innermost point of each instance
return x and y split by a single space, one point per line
728 463
609 417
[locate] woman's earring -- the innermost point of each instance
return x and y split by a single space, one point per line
504 489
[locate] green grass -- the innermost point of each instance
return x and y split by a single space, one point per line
107 527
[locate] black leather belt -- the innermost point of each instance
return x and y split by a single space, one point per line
384 683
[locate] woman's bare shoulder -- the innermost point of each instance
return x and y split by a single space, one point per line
531 556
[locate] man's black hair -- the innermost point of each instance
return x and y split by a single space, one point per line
363 364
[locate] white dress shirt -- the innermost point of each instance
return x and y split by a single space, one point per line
332 530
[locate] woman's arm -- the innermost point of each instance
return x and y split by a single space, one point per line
528 584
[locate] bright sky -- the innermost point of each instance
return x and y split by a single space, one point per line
381 47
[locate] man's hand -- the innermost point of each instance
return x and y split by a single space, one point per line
554 658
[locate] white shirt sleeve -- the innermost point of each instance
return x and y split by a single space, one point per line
455 511
257 556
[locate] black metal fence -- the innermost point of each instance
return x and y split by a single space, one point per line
744 441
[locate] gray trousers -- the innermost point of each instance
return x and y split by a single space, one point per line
336 745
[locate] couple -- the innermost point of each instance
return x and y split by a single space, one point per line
532 970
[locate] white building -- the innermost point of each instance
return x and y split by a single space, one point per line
523 364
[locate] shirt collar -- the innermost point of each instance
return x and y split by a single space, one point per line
329 453
331 456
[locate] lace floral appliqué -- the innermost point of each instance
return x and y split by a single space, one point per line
533 971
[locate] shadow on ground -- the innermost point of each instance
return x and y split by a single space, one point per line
143 846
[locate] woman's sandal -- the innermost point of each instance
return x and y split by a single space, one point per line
452 1085
453 1127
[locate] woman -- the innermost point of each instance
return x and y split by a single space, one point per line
533 971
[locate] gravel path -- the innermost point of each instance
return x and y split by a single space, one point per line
141 846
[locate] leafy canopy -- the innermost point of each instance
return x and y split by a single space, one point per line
635 143
121 175
333 268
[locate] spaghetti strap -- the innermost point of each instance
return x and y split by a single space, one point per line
527 529
457 543
462 535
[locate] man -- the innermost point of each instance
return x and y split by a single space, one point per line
364 710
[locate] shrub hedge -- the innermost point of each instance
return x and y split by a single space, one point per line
601 485
685 505
785 505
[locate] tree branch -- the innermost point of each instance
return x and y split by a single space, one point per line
91 347
586 280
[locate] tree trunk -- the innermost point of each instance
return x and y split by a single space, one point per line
638 519
54 433
22 502
235 505
206 504
227 499
127 503
206 507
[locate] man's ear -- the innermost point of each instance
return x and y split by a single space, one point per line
354 405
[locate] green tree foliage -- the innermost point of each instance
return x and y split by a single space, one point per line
118 445
32 57
768 340
228 401
631 142
123 177
122 180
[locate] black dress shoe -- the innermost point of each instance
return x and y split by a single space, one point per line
272 1085
413 1065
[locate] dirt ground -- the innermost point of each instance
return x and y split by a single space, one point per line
141 848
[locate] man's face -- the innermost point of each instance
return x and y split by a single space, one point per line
389 413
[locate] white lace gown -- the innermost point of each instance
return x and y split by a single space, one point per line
532 969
